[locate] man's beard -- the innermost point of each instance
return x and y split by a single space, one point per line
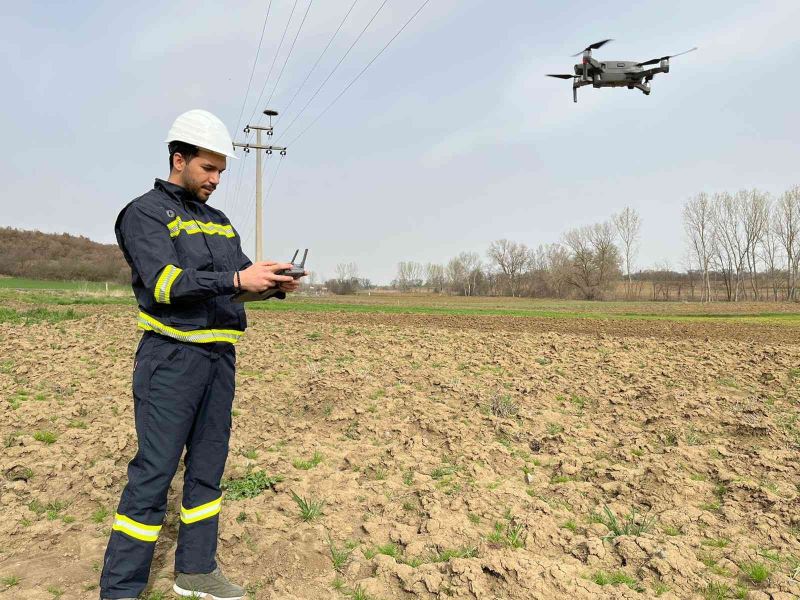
195 189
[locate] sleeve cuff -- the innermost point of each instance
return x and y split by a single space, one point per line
225 282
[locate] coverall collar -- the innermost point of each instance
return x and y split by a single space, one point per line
173 190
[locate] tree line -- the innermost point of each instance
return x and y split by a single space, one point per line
747 240
743 245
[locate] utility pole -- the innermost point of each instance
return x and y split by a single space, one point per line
268 149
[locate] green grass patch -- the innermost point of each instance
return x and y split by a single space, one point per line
37 315
616 578
552 309
509 535
249 486
756 572
24 283
305 465
48 437
716 542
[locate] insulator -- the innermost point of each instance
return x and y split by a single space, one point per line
283 152
269 151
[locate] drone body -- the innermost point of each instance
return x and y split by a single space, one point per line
615 73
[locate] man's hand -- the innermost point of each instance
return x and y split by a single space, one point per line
261 276
291 286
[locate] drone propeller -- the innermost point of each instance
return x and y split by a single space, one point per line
594 46
654 61
561 76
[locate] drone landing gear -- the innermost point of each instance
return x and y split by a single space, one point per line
574 93
644 87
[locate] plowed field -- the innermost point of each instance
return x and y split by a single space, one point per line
457 456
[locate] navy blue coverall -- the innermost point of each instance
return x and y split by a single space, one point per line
183 255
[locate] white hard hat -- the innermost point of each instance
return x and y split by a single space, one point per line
202 129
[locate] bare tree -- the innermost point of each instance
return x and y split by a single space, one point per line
473 268
769 249
463 273
787 228
457 276
628 225
511 259
346 281
699 226
409 275
594 259
754 216
434 277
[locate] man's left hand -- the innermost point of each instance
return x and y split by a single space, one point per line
289 286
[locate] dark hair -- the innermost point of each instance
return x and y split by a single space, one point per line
187 151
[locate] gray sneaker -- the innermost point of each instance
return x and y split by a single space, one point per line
212 586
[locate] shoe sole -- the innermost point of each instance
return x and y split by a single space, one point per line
190 594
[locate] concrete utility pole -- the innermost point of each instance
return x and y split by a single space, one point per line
258 147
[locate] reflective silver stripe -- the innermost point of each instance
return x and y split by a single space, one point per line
149 323
191 515
177 225
140 531
164 283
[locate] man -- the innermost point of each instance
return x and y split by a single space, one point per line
186 262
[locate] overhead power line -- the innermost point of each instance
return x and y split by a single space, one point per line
319 58
347 87
247 93
236 199
296 35
253 70
278 51
302 110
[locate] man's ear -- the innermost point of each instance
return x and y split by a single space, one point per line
178 163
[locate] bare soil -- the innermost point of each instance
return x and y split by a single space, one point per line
462 457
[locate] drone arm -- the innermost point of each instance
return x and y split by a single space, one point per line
649 73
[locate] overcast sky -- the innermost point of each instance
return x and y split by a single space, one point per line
451 139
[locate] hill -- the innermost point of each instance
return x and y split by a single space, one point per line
59 256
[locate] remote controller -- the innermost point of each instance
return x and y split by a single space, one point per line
298 269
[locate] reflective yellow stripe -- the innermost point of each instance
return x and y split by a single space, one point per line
198 336
177 225
140 531
173 276
164 283
204 511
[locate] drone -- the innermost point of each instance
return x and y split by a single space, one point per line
615 73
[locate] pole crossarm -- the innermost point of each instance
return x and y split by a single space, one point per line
258 127
248 147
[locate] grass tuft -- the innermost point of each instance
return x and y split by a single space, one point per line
310 508
48 437
629 526
616 578
305 465
756 572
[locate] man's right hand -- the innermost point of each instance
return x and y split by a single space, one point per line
261 276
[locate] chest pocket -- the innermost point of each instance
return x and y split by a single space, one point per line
224 253
194 240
